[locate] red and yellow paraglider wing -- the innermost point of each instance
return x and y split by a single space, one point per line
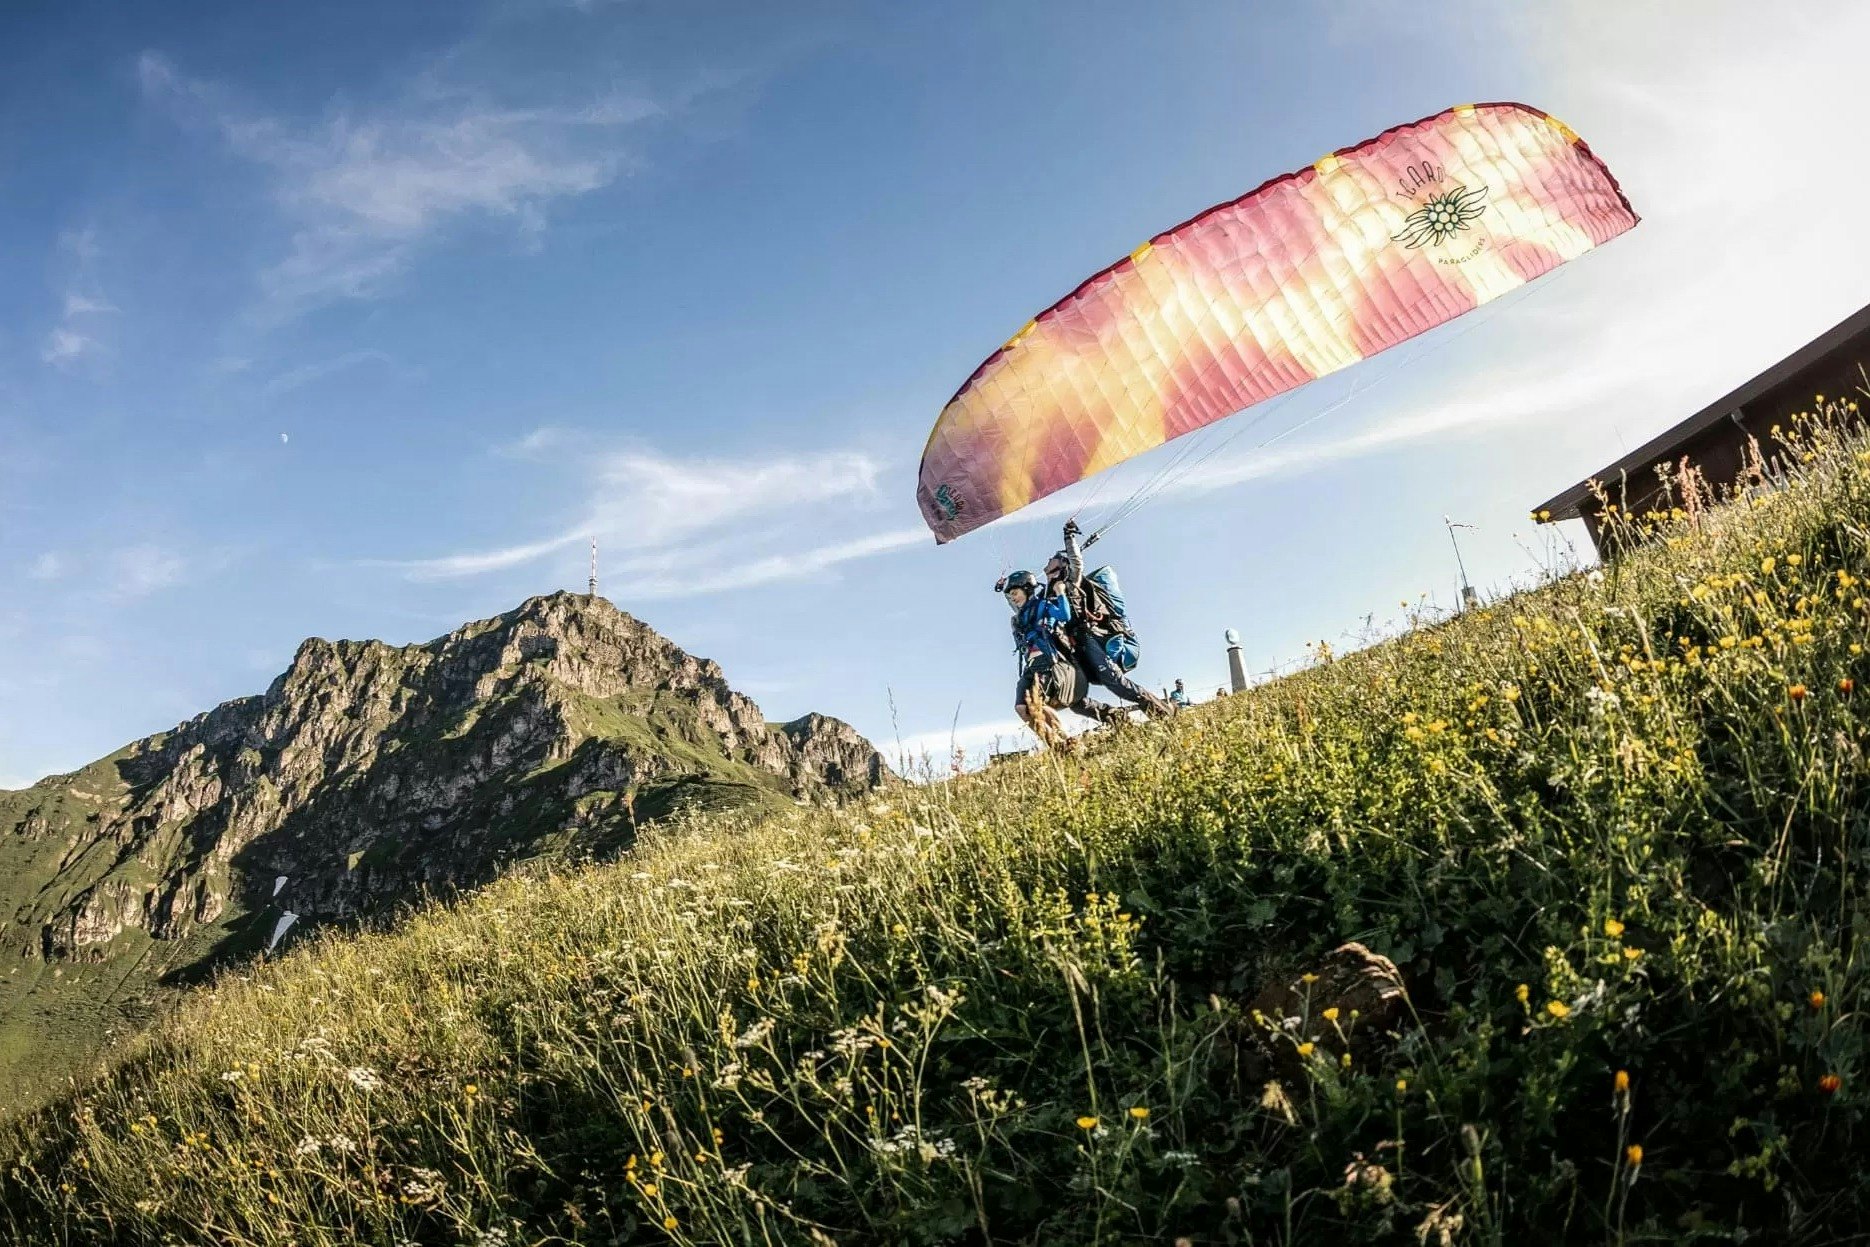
1311 272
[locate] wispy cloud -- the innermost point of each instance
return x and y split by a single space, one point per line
364 192
84 305
65 346
650 500
940 744
48 566
306 374
679 527
932 754
75 337
806 564
141 570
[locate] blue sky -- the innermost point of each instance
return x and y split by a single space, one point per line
353 320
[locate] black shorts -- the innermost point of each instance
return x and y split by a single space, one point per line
1060 683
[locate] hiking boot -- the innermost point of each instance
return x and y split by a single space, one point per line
1157 708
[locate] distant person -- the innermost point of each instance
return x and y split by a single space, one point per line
1099 627
1220 692
1178 696
1048 677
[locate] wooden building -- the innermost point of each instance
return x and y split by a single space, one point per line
1727 437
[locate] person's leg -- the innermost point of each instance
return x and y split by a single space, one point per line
1112 677
1036 690
1098 712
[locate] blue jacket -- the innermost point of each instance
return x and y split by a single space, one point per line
1038 627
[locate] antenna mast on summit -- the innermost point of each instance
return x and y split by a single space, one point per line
594 567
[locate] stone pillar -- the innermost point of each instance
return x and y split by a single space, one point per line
1236 664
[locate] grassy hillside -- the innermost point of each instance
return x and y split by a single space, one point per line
1613 832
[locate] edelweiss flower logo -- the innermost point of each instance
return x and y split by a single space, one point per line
1442 217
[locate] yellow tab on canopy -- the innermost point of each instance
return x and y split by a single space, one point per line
1141 253
1025 329
1328 164
1571 135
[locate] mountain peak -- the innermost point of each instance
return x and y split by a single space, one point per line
370 775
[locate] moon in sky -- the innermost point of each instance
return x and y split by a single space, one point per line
282 439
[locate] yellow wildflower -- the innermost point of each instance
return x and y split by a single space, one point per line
1622 1081
1331 1014
1558 1008
1634 1154
1306 1049
1087 1123
1612 928
1522 993
1139 1112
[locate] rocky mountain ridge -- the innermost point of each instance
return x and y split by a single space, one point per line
369 776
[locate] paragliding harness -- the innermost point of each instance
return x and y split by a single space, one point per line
1106 622
1045 661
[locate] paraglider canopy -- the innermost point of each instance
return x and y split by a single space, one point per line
1313 271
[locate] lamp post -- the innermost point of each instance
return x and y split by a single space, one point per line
1469 598
1236 665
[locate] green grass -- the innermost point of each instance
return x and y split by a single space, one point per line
1614 824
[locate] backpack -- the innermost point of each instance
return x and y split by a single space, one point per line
1104 596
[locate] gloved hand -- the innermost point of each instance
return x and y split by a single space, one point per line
1071 527
999 586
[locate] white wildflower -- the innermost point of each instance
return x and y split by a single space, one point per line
423 1184
363 1078
909 1139
755 1035
851 1042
